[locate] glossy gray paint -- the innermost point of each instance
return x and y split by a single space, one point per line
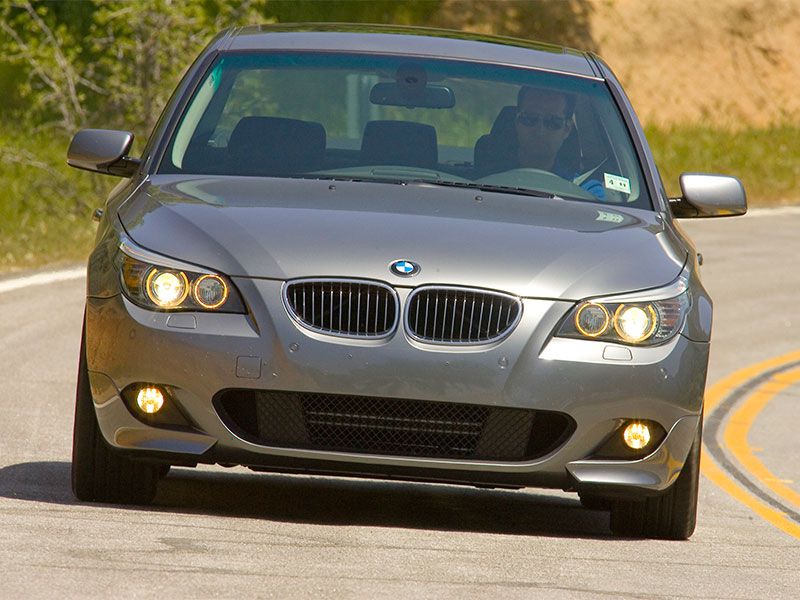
262 231
529 369
287 228
713 195
411 41
98 149
127 342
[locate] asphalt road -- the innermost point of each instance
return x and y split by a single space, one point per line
232 533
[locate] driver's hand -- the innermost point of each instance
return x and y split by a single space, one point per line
594 187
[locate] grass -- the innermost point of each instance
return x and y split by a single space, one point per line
46 207
767 161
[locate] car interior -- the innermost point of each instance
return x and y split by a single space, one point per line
261 145
271 141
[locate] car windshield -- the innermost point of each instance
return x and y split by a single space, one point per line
403 120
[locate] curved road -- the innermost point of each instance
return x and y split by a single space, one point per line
232 533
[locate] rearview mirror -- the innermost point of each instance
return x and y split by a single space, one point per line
706 195
429 96
102 151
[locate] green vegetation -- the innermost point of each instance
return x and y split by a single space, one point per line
69 65
46 206
766 160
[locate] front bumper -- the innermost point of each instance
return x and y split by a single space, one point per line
198 354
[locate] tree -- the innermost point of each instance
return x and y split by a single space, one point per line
118 60
54 84
109 63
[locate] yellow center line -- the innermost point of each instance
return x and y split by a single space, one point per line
738 428
713 472
719 390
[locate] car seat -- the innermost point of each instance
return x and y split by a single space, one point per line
274 146
399 143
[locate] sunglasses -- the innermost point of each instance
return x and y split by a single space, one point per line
551 122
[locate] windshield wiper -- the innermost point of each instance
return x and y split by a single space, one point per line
500 189
350 178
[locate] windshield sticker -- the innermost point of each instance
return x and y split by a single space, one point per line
609 217
618 183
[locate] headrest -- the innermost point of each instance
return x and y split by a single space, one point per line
504 122
273 145
399 143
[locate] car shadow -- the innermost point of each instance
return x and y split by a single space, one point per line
334 501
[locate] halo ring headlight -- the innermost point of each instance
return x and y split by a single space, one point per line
635 323
592 319
210 291
167 288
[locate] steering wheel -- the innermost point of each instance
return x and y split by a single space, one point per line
537 179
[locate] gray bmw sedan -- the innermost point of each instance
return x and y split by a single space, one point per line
398 253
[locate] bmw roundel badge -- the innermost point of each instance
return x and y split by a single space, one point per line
404 268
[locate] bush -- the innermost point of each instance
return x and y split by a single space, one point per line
766 160
46 206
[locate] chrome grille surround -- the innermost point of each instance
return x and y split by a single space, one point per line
351 308
454 315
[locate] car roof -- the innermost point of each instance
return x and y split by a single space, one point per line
409 41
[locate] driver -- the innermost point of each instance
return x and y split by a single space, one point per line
542 124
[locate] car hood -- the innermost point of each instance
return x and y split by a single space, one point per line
290 228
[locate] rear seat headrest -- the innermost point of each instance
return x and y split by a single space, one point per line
273 145
399 143
504 122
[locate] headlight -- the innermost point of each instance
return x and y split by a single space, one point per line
164 288
635 323
210 291
630 322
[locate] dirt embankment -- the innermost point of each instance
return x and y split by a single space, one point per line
725 63
731 63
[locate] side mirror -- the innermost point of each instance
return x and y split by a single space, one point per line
707 195
102 151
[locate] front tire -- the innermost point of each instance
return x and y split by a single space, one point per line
98 473
671 515
592 502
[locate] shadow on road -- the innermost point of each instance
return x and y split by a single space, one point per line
334 501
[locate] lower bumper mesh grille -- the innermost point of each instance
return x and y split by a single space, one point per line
373 425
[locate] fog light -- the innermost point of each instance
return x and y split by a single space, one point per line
636 435
150 400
